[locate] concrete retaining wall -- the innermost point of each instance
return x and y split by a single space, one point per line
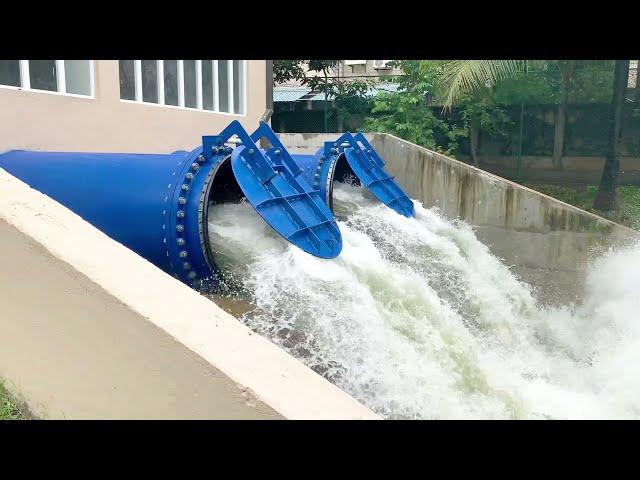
306 143
89 329
547 242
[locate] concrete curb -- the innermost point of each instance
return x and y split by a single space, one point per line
262 375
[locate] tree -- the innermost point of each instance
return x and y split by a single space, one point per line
480 112
567 68
307 72
463 77
607 197
407 112
578 82
286 70
315 74
468 76
470 85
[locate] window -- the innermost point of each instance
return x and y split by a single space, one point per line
77 74
207 84
190 87
127 80
170 82
212 85
74 77
238 87
42 75
149 81
10 72
223 84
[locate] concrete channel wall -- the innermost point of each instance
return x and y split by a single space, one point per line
89 329
547 243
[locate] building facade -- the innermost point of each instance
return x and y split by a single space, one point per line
145 106
370 70
366 68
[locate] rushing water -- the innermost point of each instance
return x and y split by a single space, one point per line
416 318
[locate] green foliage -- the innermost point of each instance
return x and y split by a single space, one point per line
592 82
8 409
528 81
315 74
483 91
407 112
464 77
287 70
629 206
349 98
346 96
628 212
409 115
528 88
490 117
307 72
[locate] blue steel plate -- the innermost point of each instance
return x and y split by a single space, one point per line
372 175
288 204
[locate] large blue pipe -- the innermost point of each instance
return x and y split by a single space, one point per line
157 205
133 198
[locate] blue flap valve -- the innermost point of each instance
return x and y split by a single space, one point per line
352 158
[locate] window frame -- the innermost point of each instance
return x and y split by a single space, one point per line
25 81
199 97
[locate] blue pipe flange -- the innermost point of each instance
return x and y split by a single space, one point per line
188 249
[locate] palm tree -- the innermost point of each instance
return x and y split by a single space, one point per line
464 77
467 76
461 77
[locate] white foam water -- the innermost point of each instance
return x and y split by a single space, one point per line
416 318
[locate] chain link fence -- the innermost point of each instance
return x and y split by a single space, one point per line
527 147
316 115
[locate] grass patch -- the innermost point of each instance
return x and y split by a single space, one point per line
8 408
628 212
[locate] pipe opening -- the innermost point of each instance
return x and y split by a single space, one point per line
223 188
343 173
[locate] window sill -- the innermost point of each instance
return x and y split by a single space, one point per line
177 107
49 92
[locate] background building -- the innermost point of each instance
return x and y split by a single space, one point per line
353 69
126 105
298 108
366 68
